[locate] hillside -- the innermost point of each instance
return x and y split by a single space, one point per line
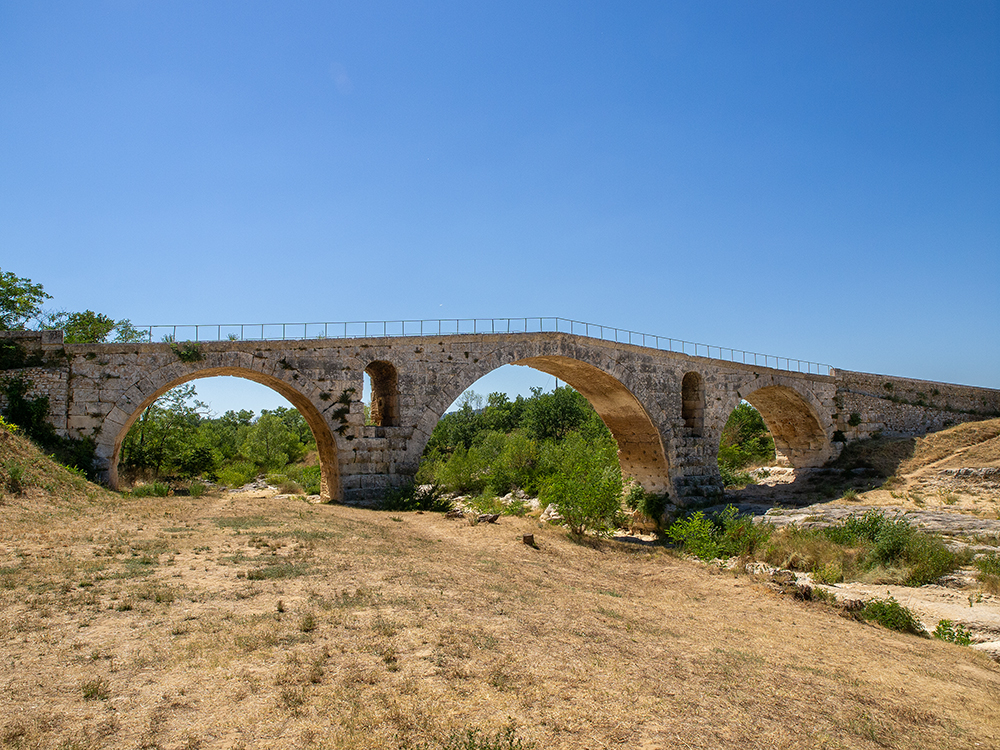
258 621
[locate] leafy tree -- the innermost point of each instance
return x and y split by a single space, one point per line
20 300
164 430
745 441
270 444
555 414
88 327
587 489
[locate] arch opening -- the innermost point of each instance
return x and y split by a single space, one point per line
693 404
259 438
383 409
635 441
799 438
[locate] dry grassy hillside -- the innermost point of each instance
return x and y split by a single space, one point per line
248 621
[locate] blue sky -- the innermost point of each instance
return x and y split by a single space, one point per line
819 181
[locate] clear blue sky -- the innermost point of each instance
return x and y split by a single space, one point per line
815 180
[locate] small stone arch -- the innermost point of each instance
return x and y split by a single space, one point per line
131 408
693 404
385 393
799 436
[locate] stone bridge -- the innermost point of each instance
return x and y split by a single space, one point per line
665 409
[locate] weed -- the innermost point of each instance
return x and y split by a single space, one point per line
829 573
277 570
504 738
892 615
946 630
242 522
850 495
96 689
15 476
308 623
189 351
988 564
196 489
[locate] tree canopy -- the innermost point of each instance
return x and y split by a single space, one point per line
20 301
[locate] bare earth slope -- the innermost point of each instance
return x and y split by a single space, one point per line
254 621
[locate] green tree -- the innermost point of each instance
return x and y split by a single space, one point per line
270 444
587 488
88 327
555 414
164 430
20 300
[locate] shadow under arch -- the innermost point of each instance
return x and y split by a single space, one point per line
641 452
326 446
799 437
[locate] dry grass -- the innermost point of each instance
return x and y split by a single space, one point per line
136 623
970 444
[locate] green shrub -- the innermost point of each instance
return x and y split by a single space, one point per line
237 474
892 615
727 534
15 476
412 497
587 487
946 630
696 535
196 489
155 489
988 564
830 573
894 544
487 502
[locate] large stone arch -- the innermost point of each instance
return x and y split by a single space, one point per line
155 383
607 385
794 416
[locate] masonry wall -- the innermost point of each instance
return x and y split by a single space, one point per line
894 406
44 366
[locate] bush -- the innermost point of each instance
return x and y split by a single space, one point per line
727 534
237 474
156 489
696 535
892 615
588 485
412 497
892 543
988 564
196 489
946 630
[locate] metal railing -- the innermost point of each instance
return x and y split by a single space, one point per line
453 326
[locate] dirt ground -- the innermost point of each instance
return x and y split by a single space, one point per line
248 620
